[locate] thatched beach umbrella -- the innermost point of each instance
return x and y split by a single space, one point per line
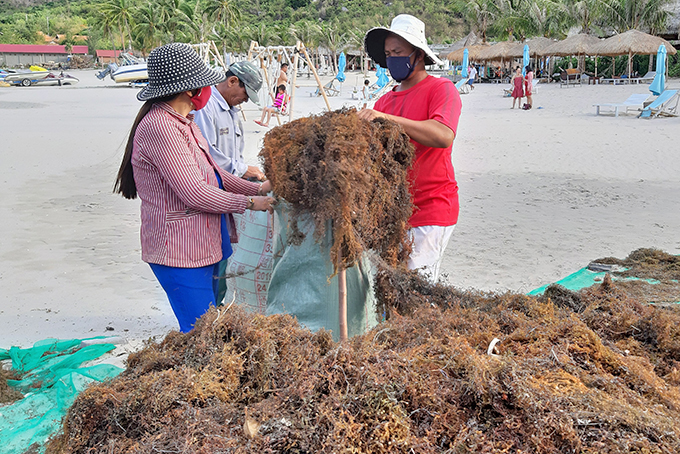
473 53
537 46
633 42
499 51
470 40
580 44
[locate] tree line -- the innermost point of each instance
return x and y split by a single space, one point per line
333 24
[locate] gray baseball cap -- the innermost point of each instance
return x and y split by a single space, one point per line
250 76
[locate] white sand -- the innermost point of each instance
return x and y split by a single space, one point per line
543 192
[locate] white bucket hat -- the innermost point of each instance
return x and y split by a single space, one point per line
406 26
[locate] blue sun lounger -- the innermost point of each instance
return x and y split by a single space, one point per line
665 105
463 87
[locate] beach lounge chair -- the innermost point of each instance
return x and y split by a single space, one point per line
665 105
330 89
463 87
571 76
634 101
649 77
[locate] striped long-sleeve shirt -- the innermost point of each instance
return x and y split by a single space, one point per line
181 200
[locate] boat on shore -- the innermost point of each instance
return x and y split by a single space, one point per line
132 70
38 76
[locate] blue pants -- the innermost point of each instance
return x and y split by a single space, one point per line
191 291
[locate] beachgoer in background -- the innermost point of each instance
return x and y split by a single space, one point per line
528 86
472 74
365 93
187 199
428 108
517 83
278 107
220 123
283 77
221 126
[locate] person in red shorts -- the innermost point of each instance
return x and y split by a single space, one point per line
428 108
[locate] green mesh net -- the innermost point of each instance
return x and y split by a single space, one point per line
51 378
585 278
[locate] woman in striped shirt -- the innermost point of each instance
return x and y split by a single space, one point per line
187 199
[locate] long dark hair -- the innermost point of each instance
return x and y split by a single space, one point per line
125 181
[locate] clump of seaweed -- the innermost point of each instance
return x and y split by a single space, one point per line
353 173
654 275
7 393
595 372
648 263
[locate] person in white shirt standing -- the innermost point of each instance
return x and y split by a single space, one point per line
472 74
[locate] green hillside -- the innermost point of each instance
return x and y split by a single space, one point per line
333 24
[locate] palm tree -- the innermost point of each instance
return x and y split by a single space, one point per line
480 14
307 32
588 15
193 22
355 39
512 18
147 29
169 17
548 18
333 39
263 34
649 15
282 34
223 11
120 13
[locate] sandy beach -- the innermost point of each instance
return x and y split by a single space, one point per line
542 193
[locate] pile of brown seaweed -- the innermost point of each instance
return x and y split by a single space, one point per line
589 372
7 393
337 167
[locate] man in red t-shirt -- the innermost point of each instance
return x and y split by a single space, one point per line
428 109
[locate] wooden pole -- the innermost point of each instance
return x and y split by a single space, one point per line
266 76
253 44
316 76
296 59
630 64
342 298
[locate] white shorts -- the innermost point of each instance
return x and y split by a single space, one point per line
429 244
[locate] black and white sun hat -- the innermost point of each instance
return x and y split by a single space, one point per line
174 68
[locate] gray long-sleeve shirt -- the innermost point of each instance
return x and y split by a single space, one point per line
222 128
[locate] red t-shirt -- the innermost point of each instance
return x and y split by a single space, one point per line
433 181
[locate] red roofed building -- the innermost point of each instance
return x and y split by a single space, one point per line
36 54
107 56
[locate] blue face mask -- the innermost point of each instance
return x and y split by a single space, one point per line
400 67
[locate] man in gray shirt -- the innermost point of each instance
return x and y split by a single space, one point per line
219 121
222 128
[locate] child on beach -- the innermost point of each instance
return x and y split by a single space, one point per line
517 83
528 84
365 93
278 106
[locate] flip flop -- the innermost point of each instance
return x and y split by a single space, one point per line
258 122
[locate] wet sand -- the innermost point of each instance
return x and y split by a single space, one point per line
542 193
